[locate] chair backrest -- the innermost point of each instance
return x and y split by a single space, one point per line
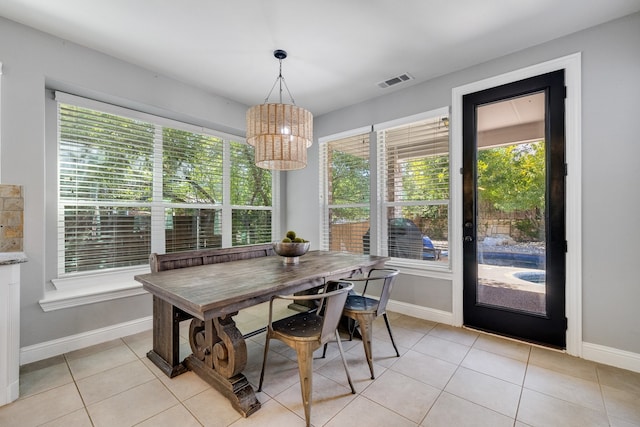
387 276
331 307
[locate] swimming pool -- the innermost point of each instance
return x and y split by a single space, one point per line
538 277
512 259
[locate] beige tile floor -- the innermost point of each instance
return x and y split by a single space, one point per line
445 376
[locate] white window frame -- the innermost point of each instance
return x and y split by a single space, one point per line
74 289
418 267
377 205
324 180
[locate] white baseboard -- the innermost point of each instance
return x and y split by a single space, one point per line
594 352
420 312
611 356
44 350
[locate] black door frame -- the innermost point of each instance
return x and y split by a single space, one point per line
549 329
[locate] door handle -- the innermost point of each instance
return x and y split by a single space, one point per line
468 239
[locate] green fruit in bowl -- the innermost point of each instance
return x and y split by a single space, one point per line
291 234
286 240
298 240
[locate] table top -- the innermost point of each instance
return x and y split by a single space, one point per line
214 290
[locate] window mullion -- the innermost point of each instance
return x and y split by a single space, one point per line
227 211
374 212
157 207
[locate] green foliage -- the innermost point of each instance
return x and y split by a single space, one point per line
192 167
250 185
512 178
528 228
425 178
349 178
104 157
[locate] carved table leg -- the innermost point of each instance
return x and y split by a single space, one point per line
166 346
219 356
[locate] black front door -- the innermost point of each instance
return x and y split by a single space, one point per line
514 209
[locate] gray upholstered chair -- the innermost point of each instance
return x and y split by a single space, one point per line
306 332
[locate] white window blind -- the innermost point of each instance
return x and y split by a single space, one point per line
192 167
347 193
251 198
192 174
129 183
413 172
105 170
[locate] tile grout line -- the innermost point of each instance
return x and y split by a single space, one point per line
75 383
524 378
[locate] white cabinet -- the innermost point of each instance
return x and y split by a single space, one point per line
10 327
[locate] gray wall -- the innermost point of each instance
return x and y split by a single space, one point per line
610 150
30 61
610 129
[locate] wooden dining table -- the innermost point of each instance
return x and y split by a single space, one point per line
210 295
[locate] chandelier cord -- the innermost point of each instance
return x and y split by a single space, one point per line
281 80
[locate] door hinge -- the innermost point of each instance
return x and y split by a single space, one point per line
566 169
566 323
566 247
565 92
461 171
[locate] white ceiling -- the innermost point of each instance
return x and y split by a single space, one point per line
339 50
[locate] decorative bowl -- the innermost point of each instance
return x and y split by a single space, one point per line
291 252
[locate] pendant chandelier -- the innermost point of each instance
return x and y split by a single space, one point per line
280 133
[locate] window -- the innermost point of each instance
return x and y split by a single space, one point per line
413 170
251 198
410 194
192 189
347 193
131 184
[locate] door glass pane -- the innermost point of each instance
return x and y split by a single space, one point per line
510 213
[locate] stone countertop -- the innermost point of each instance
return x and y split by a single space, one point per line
7 258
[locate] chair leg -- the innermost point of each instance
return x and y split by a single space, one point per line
305 369
390 334
351 327
264 362
365 329
344 361
324 350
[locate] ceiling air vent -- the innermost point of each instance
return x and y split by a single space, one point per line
395 80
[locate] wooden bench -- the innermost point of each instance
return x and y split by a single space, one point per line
171 261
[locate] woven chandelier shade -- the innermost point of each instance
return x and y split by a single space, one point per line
281 134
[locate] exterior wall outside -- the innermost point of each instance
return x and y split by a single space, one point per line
610 127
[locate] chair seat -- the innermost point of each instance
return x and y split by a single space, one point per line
306 332
361 304
301 327
364 310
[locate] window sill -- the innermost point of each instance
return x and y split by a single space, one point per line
92 288
415 268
